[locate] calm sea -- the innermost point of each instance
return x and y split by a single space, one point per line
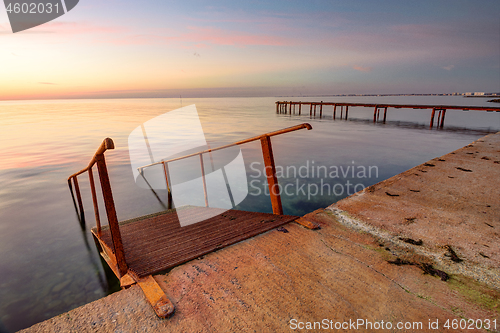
49 265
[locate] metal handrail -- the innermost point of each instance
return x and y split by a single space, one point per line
114 229
267 152
105 145
255 138
107 194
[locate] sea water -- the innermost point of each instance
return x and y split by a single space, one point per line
49 263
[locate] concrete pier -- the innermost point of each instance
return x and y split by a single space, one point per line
417 250
450 202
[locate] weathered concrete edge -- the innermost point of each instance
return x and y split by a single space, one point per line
476 271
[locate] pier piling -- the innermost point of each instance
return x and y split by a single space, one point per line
377 108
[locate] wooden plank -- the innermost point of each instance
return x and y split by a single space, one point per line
157 242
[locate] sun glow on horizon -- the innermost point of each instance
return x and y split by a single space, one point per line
140 51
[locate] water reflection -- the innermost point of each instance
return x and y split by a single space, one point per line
48 262
411 125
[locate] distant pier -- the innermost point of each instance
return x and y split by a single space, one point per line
438 111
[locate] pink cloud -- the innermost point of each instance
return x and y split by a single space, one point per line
362 69
201 37
225 37
143 39
74 28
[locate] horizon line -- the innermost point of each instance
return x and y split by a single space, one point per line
259 96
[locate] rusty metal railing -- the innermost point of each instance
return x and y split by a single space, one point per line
107 194
268 156
115 257
109 203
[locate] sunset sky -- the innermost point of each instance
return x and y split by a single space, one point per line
157 48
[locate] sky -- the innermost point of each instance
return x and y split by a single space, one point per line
117 49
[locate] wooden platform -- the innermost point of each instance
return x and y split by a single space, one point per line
157 242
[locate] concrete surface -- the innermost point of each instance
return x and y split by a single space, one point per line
354 268
450 202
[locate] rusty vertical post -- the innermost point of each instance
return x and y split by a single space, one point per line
169 190
432 117
346 111
311 110
375 114
277 107
341 112
442 118
109 203
94 200
334 110
300 107
79 198
385 114
272 180
315 110
203 179
321 109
